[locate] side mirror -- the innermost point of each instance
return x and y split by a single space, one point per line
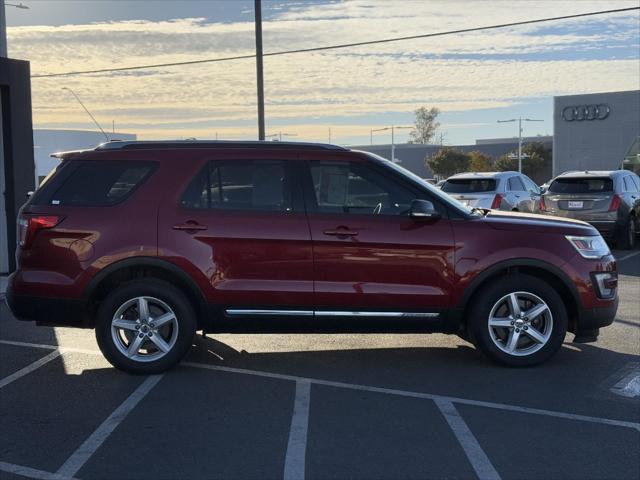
423 210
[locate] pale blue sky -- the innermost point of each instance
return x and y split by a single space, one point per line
475 79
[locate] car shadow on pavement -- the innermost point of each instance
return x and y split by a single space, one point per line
579 376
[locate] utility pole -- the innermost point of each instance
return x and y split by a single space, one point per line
259 69
520 120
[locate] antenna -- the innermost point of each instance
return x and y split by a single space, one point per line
88 112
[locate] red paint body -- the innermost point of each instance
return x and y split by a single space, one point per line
258 258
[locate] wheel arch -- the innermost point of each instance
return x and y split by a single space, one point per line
533 267
144 267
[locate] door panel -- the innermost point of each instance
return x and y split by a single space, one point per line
253 246
391 262
368 253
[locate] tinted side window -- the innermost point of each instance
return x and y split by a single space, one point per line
343 187
629 184
97 183
240 185
515 184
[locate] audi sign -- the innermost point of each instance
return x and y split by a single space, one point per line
585 112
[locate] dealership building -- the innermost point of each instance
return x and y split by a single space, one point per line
598 131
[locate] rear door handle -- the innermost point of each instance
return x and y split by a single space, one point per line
339 232
189 226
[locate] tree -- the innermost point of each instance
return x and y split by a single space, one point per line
448 161
479 162
535 157
425 125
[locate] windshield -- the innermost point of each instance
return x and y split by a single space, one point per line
436 192
469 185
582 185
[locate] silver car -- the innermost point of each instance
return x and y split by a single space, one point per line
608 200
496 190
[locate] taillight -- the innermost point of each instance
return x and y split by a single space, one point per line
497 200
615 203
543 206
30 225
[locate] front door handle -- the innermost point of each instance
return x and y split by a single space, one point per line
190 226
340 232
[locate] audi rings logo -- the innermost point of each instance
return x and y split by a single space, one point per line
585 112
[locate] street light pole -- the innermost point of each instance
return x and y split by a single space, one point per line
259 69
3 26
520 120
393 139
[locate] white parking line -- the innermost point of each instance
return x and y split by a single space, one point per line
390 391
84 452
478 459
294 462
29 368
628 255
429 396
30 472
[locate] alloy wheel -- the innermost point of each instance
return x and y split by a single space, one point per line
144 329
520 323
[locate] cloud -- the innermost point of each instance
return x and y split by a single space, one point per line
491 69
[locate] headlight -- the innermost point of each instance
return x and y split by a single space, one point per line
589 247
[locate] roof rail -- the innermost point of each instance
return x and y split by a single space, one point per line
150 144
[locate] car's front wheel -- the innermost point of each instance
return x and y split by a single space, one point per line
518 320
145 326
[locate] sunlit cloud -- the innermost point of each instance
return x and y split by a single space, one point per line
308 91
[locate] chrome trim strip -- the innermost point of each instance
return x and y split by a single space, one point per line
296 313
233 312
322 313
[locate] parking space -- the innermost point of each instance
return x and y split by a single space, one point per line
322 406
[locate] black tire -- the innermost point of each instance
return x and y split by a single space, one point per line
497 288
148 287
626 238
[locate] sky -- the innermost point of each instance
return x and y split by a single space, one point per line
475 79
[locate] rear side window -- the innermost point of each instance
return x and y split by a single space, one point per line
472 185
629 184
240 185
516 185
94 183
581 185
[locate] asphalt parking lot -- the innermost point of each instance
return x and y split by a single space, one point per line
323 406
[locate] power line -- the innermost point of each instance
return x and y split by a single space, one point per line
334 47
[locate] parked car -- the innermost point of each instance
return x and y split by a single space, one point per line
494 190
147 242
608 200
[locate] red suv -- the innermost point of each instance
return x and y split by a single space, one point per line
148 242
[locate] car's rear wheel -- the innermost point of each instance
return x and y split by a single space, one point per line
145 326
628 235
518 320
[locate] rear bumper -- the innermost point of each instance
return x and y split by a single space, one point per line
607 228
45 310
